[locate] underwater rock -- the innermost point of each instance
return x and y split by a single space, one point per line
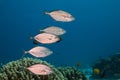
71 73
109 67
16 70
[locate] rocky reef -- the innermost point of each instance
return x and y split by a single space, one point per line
16 70
109 67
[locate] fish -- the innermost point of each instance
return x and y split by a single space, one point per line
39 51
60 15
78 64
40 69
46 38
96 71
54 30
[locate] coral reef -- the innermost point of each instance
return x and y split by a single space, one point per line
109 67
16 70
71 73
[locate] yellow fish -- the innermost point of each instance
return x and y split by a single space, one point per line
96 71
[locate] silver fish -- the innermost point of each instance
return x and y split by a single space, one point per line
40 69
54 30
60 15
46 38
39 51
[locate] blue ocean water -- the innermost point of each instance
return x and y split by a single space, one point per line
95 33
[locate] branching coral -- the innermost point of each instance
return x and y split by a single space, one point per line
71 73
16 70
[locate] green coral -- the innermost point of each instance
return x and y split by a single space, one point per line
16 70
71 73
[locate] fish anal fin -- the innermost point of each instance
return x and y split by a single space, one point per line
35 42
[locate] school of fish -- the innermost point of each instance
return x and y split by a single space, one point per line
49 35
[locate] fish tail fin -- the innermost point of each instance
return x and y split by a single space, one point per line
41 31
25 51
46 12
31 37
